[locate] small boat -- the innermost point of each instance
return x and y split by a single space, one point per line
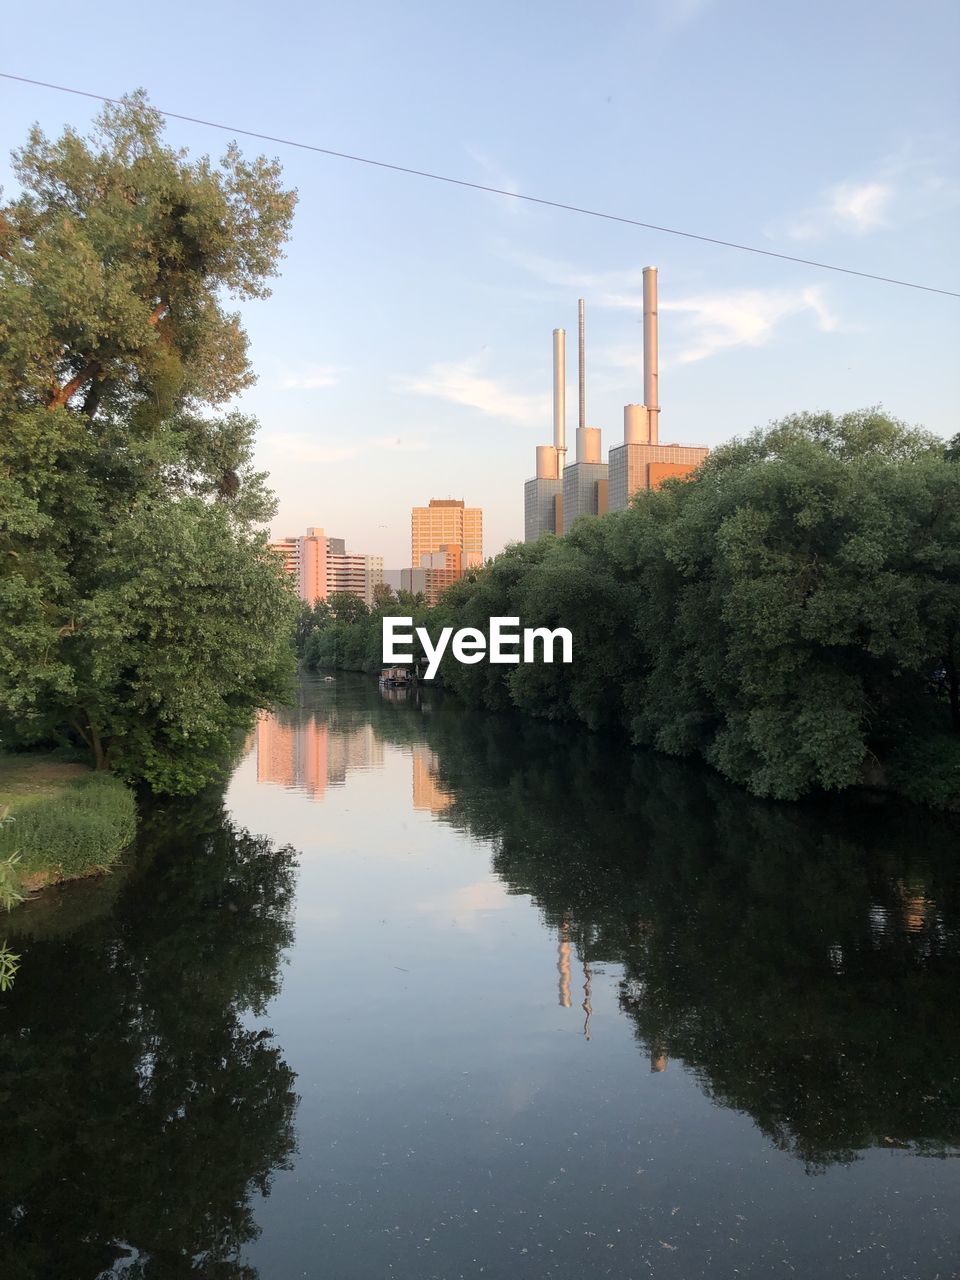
395 678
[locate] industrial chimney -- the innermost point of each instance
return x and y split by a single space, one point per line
582 421
651 376
559 397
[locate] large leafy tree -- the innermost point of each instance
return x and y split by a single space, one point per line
139 612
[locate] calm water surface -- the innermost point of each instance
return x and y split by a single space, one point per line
429 994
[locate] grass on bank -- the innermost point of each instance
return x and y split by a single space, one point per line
60 820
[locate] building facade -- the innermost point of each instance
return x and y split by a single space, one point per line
436 572
447 522
636 467
320 566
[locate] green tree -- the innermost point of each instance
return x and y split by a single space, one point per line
139 612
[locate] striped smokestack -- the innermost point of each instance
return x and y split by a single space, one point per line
583 387
651 375
560 396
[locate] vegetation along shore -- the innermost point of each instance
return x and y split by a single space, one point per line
791 614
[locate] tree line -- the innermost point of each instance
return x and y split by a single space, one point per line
790 614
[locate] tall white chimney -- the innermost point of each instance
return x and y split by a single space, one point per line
582 421
651 376
560 396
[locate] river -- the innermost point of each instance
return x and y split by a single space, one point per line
432 994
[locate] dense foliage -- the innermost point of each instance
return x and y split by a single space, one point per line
140 614
791 614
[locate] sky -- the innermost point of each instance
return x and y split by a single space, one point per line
405 352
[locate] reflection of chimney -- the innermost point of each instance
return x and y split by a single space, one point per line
563 965
559 396
651 375
658 1058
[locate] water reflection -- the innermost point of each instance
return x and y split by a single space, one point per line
802 962
481 1080
297 750
142 1105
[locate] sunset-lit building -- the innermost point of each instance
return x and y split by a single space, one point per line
443 523
435 573
559 494
320 566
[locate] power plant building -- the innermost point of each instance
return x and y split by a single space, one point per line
642 462
559 495
585 481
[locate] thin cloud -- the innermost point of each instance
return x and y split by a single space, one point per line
708 322
614 289
903 188
290 447
313 378
492 175
849 208
716 322
462 384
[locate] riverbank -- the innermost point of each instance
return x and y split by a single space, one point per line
58 821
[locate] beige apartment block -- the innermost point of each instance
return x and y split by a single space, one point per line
446 522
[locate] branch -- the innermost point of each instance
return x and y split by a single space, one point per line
62 395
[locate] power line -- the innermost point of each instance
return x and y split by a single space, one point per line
496 191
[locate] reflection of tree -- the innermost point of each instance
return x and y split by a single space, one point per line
802 961
139 1113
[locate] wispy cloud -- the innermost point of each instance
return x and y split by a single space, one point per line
493 174
312 378
291 446
853 208
715 322
462 383
708 322
901 188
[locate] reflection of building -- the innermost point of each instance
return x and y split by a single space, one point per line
447 522
563 964
358 748
308 756
320 566
427 792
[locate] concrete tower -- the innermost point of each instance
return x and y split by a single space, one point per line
543 495
585 482
642 462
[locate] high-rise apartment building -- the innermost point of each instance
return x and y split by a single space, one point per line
320 566
447 522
